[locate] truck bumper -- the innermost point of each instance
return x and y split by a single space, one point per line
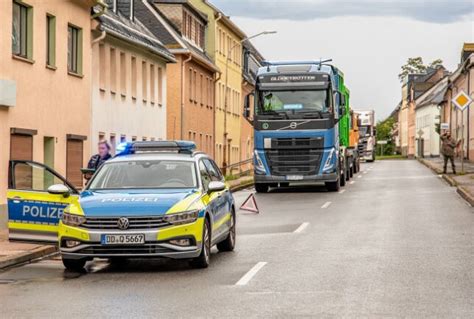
272 179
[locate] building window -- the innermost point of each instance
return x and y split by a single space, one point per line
134 77
123 74
160 86
144 82
22 31
152 84
191 84
113 71
74 50
102 67
50 40
195 86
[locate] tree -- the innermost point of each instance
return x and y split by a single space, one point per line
416 65
384 133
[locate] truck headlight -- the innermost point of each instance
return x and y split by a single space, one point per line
329 165
72 220
259 163
182 218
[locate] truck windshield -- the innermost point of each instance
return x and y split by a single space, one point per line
144 174
364 131
300 101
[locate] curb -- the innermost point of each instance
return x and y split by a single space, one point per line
27 257
241 186
460 190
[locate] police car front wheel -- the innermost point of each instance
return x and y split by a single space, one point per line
76 265
203 260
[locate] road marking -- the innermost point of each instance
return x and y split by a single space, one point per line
326 205
352 182
342 191
365 172
249 275
360 176
301 227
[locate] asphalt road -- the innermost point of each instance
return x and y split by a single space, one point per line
398 242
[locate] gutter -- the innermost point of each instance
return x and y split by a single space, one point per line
183 82
102 11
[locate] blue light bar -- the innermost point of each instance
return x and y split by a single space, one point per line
156 146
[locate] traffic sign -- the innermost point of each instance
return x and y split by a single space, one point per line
382 142
444 126
462 100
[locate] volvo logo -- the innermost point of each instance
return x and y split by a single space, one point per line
293 125
123 223
265 126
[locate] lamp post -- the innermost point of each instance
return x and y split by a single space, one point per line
227 141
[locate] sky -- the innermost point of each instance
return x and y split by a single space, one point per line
368 40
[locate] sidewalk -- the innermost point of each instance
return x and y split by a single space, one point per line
16 253
464 183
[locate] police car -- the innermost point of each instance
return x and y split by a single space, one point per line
153 199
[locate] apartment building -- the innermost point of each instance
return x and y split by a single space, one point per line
128 78
190 84
461 124
224 46
45 84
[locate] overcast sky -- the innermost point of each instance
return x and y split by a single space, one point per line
369 40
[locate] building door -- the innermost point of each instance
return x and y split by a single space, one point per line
21 148
74 156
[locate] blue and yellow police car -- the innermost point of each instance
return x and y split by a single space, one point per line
153 199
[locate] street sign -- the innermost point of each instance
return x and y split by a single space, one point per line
444 126
382 142
462 100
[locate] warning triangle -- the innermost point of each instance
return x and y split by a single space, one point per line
250 204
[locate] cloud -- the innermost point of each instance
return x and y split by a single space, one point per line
434 11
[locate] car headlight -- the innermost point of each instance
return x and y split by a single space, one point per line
72 220
259 163
182 218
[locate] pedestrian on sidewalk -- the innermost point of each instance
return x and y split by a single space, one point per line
98 159
447 149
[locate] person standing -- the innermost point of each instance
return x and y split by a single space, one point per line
100 158
447 149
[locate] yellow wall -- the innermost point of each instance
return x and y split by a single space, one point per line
50 101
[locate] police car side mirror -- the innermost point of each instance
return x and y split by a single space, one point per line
216 187
59 189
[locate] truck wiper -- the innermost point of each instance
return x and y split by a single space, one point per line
319 113
273 112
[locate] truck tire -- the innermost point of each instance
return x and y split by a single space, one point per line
351 170
342 180
261 188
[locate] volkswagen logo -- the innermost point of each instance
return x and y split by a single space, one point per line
123 223
293 125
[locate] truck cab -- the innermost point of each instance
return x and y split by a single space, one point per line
297 108
367 135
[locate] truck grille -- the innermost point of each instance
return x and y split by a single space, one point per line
145 222
295 156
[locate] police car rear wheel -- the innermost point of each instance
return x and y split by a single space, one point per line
228 244
76 265
203 260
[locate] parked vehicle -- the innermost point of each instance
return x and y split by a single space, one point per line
154 199
367 135
354 140
299 107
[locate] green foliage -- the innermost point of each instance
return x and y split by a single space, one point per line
384 133
416 65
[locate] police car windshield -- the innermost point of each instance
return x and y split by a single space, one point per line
145 174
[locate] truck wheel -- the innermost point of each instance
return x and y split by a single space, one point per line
351 171
342 180
203 260
76 265
261 188
228 244
333 186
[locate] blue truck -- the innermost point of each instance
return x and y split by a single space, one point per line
297 109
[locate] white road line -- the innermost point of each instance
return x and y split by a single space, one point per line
301 227
352 182
360 176
326 205
249 275
365 172
342 191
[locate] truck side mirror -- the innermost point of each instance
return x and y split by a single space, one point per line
247 105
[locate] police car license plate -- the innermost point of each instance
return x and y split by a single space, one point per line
294 177
125 239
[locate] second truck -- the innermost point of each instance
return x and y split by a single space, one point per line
302 125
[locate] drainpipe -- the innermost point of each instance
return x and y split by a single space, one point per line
183 82
467 68
217 78
219 17
98 39
103 10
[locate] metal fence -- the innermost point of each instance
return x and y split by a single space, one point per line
242 168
